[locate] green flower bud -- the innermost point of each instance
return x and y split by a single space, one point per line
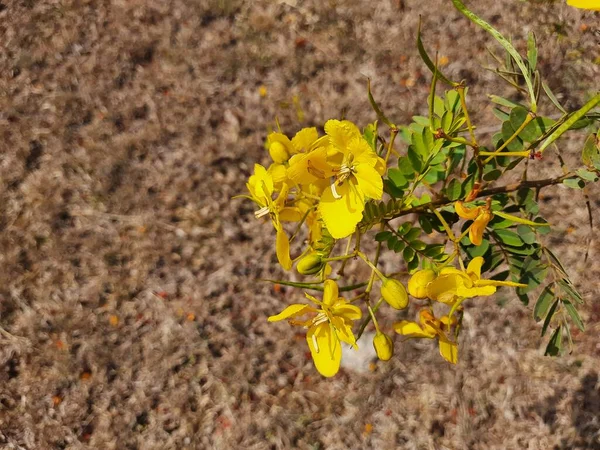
394 293
384 346
310 264
278 152
417 285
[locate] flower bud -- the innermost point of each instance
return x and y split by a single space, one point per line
310 264
394 293
417 285
278 152
384 346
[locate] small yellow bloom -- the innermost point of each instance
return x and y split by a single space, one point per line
417 285
384 346
454 285
330 325
261 188
394 293
357 172
429 327
480 216
594 5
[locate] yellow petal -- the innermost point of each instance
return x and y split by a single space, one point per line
484 291
330 292
282 248
289 214
260 184
417 285
412 329
499 283
449 351
307 168
369 181
474 268
341 215
346 310
478 227
443 288
304 139
279 174
466 213
291 311
343 329
585 4
341 132
325 349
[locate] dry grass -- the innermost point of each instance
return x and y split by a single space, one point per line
130 309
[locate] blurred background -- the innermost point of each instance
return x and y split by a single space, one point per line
132 315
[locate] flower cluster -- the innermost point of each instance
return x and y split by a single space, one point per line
321 181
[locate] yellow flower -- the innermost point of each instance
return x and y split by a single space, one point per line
453 285
357 172
330 324
594 5
429 327
480 216
261 188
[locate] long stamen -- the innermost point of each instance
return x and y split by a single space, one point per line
315 343
261 212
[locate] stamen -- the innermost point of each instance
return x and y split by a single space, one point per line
261 212
315 343
334 191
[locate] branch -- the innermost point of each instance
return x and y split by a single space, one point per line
538 184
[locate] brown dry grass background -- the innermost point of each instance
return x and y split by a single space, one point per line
130 308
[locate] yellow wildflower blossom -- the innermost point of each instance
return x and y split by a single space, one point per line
357 172
480 216
453 285
429 327
329 326
417 285
594 5
261 188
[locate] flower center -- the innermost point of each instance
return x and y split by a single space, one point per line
261 212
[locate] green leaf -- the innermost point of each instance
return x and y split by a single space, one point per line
531 51
408 254
526 234
415 159
405 167
427 60
399 246
587 175
575 317
504 101
553 98
425 224
575 183
403 229
549 316
508 237
453 190
383 236
391 242
555 344
376 108
591 151
543 303
412 265
507 131
418 245
370 135
570 291
412 234
492 175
